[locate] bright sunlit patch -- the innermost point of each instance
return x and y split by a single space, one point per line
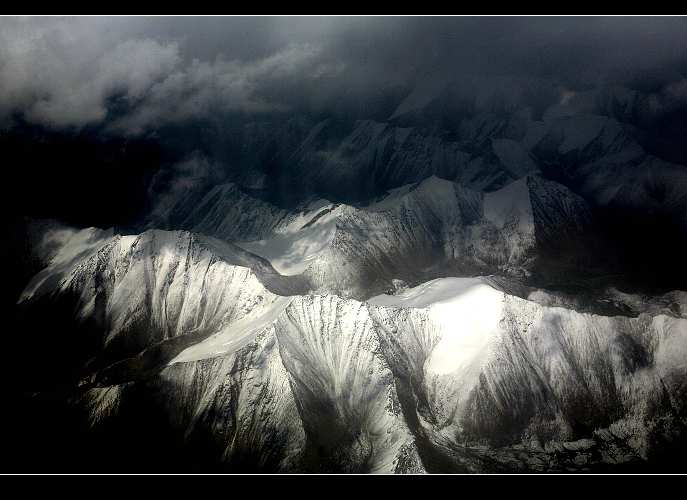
467 312
292 251
236 335
468 322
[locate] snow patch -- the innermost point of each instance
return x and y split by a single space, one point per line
233 337
467 312
508 203
293 250
426 294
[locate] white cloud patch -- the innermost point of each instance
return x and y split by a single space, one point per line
62 72
69 72
204 88
130 68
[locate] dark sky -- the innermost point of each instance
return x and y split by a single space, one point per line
67 72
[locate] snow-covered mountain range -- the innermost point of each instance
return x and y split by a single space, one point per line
382 296
451 375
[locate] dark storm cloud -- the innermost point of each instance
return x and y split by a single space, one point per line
65 72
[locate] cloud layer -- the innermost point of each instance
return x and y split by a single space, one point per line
136 74
64 73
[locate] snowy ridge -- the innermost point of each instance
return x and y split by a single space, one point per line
228 213
292 249
437 224
219 328
348 404
156 286
486 380
451 375
413 328
415 232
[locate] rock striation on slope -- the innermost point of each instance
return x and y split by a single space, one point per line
499 382
452 375
122 296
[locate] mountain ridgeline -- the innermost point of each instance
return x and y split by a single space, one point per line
467 285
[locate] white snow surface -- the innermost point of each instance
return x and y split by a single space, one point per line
294 247
235 335
432 292
474 354
466 311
